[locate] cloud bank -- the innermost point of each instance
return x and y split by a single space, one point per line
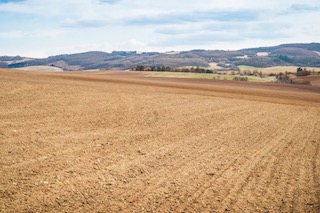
43 28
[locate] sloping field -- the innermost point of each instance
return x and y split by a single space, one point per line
207 76
275 70
123 142
41 69
314 79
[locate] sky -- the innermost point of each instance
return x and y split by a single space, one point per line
41 28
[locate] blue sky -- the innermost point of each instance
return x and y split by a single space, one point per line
40 28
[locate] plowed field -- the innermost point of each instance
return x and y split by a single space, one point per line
124 142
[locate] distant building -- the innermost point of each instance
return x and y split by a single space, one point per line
262 54
242 57
172 52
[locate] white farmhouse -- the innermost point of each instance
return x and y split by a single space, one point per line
262 54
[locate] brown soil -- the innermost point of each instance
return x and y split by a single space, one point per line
314 79
123 142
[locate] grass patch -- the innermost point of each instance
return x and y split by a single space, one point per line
274 70
206 76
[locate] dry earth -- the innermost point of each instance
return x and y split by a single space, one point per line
41 69
122 142
314 80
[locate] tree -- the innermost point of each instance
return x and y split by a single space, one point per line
302 72
284 78
140 68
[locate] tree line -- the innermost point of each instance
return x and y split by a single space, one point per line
171 69
287 77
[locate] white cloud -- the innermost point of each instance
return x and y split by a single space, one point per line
82 25
45 34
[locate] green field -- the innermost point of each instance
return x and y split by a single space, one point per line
206 76
275 70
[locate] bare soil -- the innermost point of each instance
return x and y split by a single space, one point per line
124 142
314 79
41 69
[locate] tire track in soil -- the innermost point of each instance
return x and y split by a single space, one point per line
278 147
316 165
287 154
299 169
166 149
227 182
163 150
296 171
197 156
316 169
285 148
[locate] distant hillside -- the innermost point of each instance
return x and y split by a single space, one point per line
282 55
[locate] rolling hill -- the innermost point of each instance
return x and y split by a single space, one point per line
283 55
